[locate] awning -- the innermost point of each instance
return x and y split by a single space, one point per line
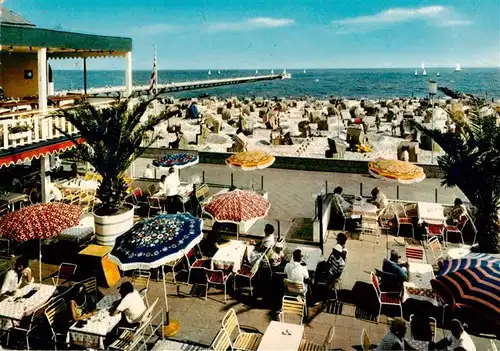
25 153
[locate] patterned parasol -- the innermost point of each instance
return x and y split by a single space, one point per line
395 170
474 282
179 160
155 241
237 206
40 221
250 160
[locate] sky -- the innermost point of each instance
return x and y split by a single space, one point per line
230 34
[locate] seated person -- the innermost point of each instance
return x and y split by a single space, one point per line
16 276
398 270
160 186
456 212
261 247
395 337
148 172
54 193
276 258
296 270
81 304
131 305
379 199
336 264
341 240
341 202
459 340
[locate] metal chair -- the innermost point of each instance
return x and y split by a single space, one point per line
221 341
432 325
55 311
292 305
66 272
295 288
91 286
386 298
456 228
154 203
436 248
239 340
217 277
434 230
247 272
194 262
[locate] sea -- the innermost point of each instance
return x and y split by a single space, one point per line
318 83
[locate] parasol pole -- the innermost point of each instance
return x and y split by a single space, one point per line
40 259
170 327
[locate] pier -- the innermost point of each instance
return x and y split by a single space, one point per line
179 86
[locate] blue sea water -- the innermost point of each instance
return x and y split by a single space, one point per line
369 83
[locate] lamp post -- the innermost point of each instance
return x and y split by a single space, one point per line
432 93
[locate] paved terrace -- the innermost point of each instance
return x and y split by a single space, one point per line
290 195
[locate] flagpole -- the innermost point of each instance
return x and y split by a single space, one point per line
156 73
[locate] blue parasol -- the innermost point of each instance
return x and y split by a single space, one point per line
179 160
156 241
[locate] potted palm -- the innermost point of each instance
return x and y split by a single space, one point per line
113 139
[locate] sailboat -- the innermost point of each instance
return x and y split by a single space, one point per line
305 72
218 72
438 74
424 73
416 73
272 71
209 73
457 68
256 71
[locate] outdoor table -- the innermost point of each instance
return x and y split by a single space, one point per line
15 307
229 256
95 259
13 198
363 208
80 233
418 285
275 338
459 252
74 185
310 255
92 334
430 212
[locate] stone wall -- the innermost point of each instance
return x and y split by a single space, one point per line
301 163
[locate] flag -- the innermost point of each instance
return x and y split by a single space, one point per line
152 84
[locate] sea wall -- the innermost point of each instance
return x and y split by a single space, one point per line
288 162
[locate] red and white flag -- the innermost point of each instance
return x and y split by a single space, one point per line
152 84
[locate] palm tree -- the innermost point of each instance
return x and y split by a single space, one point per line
472 162
113 139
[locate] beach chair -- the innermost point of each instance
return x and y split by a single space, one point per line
239 339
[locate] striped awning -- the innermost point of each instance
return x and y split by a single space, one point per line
474 282
25 153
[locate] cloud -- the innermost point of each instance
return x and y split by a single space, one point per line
439 16
157 28
250 24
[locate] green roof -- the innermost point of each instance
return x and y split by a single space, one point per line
64 41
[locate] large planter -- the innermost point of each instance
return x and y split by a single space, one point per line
108 228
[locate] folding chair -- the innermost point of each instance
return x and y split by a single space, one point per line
293 305
66 272
239 340
436 248
386 298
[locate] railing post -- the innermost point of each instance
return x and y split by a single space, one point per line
232 180
435 195
262 182
361 189
49 125
320 218
36 127
397 192
5 134
203 176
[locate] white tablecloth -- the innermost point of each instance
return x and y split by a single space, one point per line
364 208
419 283
92 334
230 255
430 212
16 310
275 338
459 252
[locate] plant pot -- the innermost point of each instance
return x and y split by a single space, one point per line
108 228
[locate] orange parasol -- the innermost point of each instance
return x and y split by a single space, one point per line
250 160
400 171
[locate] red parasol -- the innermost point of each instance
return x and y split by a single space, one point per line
40 221
237 206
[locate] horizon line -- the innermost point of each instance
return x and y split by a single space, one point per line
279 70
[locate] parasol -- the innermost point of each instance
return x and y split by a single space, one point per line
474 282
237 206
250 160
178 160
399 171
154 242
39 221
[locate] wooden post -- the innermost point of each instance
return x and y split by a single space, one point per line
320 218
361 189
397 192
435 195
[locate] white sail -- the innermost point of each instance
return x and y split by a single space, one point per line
416 73
272 71
423 67
209 73
218 72
424 73
305 71
256 71
457 68
438 74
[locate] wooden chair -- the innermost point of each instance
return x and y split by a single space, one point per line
414 253
34 322
292 305
56 315
386 298
140 280
129 339
221 342
66 272
217 277
310 346
239 340
154 203
457 229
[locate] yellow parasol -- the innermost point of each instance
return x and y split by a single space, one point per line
400 171
250 160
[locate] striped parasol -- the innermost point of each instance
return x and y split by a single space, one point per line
237 206
474 282
397 171
250 160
